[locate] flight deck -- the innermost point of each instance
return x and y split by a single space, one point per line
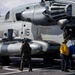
39 68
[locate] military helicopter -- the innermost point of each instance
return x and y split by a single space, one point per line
42 24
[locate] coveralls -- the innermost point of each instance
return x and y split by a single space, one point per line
64 53
25 54
71 47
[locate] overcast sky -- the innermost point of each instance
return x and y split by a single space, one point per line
6 5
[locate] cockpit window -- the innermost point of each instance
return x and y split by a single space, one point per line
7 15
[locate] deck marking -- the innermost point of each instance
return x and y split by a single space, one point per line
14 70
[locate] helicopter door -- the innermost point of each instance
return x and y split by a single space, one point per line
10 34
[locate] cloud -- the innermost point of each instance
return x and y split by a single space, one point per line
6 5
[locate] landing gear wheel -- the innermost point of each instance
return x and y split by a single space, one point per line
5 60
48 60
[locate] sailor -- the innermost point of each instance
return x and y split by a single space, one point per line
71 47
25 54
64 54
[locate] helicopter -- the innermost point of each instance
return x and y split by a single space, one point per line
42 24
